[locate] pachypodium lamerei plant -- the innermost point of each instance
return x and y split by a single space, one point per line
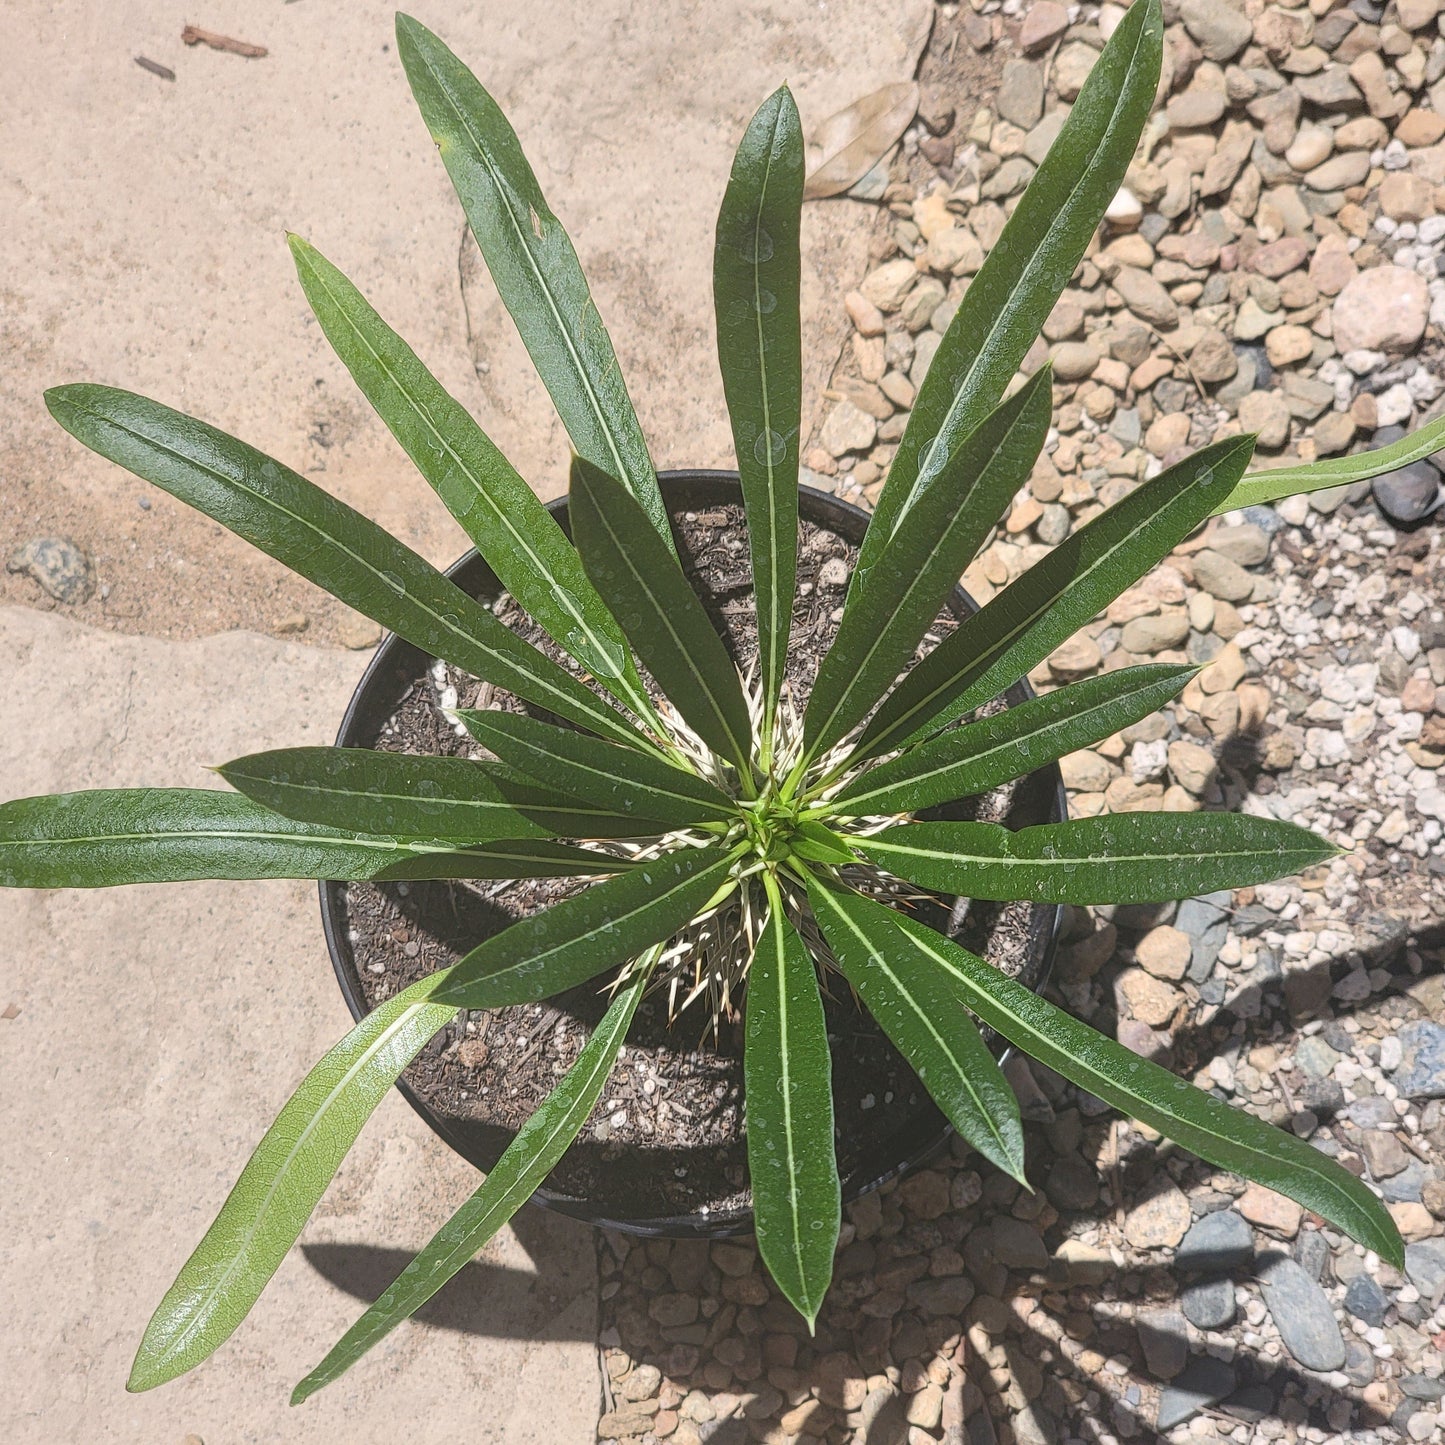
745 838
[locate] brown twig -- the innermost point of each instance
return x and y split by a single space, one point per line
194 35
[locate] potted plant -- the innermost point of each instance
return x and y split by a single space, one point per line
750 837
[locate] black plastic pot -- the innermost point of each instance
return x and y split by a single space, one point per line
396 667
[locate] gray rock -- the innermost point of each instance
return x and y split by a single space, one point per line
933 1298
1409 494
1209 1304
1219 1241
1366 1300
1302 1315
1207 1381
1425 1266
1021 94
1316 1057
1421 1074
1422 1387
1359 1362
1017 1244
57 564
1206 921
1406 1186
1312 1252
1072 1183
1221 30
1164 1338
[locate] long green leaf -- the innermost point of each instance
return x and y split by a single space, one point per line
756 274
514 532
324 540
281 1185
1055 597
164 835
1027 269
528 1159
1114 858
884 620
576 939
923 1019
395 793
985 754
1259 488
533 264
598 772
1224 1136
649 594
787 1075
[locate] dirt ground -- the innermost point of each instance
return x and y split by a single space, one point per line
143 245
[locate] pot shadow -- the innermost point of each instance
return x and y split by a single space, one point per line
485 1299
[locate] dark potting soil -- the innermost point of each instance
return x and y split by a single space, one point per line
667 1135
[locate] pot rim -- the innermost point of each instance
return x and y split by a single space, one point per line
828 510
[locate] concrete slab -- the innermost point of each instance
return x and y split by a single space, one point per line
144 247
159 1029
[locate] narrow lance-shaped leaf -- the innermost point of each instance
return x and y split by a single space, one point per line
165 835
281 1185
649 594
1261 488
514 532
925 1022
1055 597
396 793
1224 1136
982 755
1027 269
787 1075
325 541
533 264
884 620
1114 858
598 772
542 954
756 280
527 1161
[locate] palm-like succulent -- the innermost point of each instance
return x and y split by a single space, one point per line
789 815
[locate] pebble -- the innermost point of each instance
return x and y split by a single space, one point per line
1366 1300
1218 1241
1410 493
1158 1221
1205 1381
1383 309
1209 1304
1164 1340
1421 1071
1302 1313
58 565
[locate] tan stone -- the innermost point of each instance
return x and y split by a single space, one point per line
1164 951
1404 197
1192 766
1286 345
1148 999
1167 433
1270 1211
